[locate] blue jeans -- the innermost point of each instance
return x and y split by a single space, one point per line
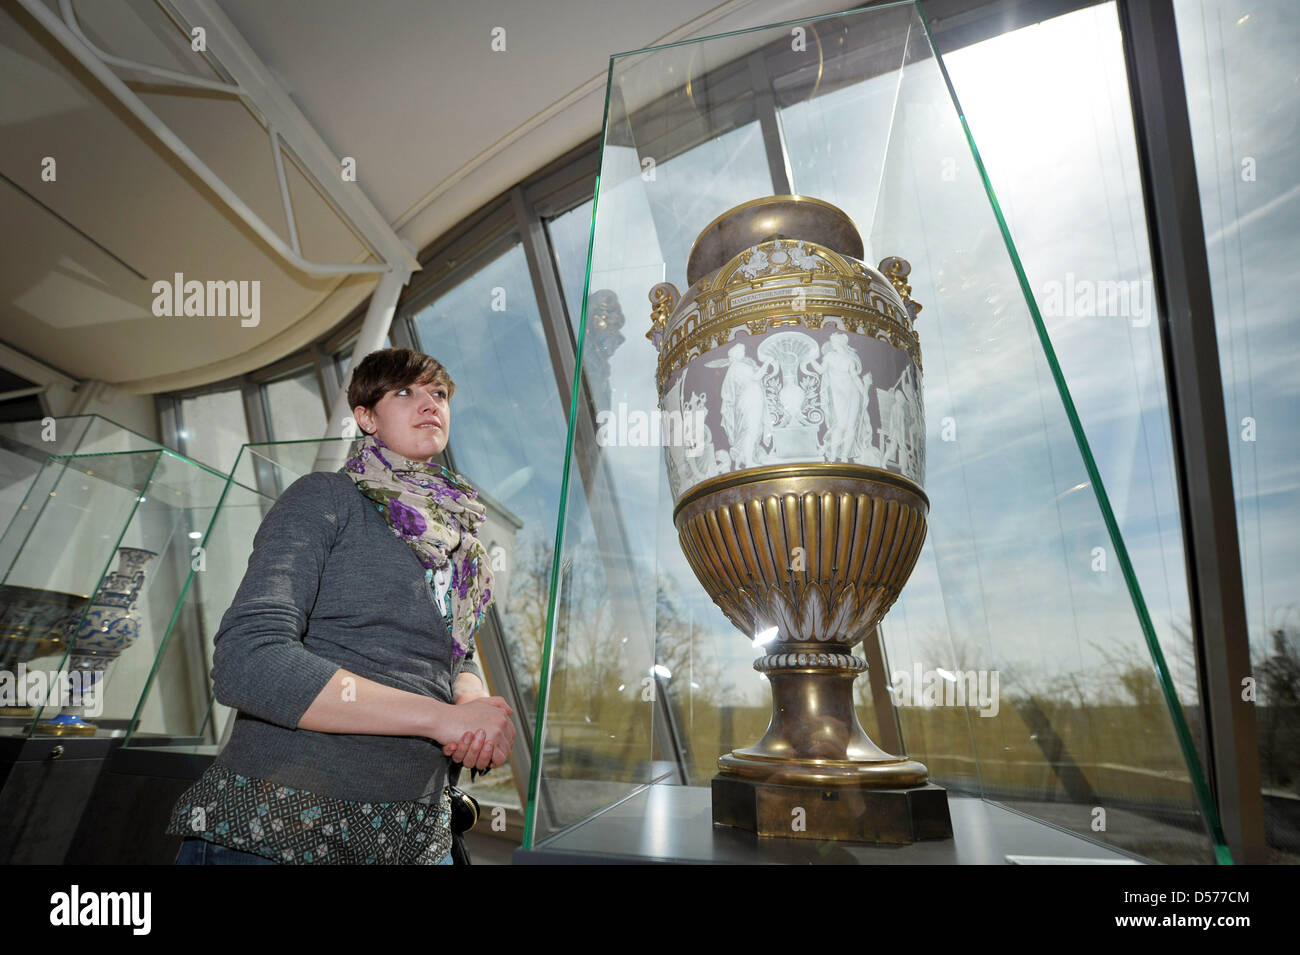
196 851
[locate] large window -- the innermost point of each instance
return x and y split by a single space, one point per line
213 428
295 409
507 435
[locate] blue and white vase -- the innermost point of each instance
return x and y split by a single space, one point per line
109 627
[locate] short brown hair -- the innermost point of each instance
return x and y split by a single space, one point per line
390 368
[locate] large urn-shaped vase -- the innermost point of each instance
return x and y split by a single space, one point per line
794 372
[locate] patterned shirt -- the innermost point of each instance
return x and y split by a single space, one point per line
296 827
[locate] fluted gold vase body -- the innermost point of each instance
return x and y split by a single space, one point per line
819 552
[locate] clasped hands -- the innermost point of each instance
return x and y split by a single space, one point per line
487 734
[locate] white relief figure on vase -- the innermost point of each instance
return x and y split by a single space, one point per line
845 395
913 436
756 263
900 414
803 259
744 406
866 446
697 458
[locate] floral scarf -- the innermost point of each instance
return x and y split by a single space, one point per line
438 514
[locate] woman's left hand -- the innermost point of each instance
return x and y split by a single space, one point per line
459 749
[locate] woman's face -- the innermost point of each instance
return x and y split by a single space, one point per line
414 421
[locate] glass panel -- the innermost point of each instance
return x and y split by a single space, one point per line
1035 578
657 180
214 428
1024 590
570 236
295 407
1237 57
25 446
103 436
1093 283
507 439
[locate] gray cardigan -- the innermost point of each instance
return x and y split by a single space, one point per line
329 585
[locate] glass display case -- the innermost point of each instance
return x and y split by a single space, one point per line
834 494
96 559
25 446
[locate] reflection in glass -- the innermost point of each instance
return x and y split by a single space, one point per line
569 234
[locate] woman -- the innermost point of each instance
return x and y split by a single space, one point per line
348 651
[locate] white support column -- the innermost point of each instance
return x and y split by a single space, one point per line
379 316
318 160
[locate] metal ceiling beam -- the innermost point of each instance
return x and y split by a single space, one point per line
287 128
257 84
254 84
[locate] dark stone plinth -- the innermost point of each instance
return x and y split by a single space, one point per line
890 816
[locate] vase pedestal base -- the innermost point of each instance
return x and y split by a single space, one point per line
889 816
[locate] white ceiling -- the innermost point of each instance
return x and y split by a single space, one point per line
437 121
